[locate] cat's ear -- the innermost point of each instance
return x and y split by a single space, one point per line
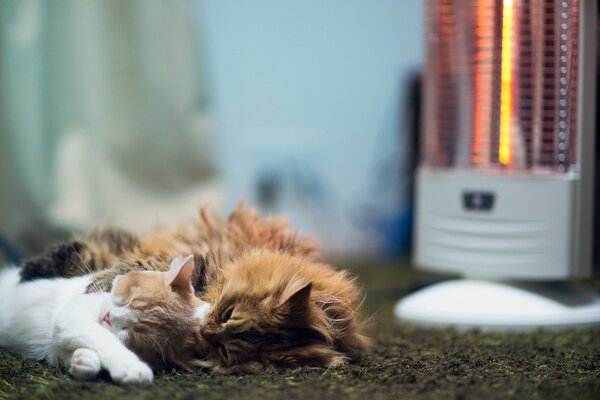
296 297
179 276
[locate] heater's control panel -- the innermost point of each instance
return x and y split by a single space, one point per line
478 201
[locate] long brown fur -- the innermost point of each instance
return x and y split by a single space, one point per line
273 309
295 310
242 231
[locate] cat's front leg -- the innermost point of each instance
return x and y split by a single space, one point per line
95 345
75 331
84 364
124 369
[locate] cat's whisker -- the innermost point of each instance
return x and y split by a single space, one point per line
95 286
82 270
89 269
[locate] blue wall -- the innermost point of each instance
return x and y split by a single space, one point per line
307 98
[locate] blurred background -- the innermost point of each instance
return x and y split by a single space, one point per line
133 113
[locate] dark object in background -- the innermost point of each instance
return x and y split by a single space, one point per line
399 228
413 124
396 227
268 190
8 252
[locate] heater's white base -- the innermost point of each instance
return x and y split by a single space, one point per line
500 307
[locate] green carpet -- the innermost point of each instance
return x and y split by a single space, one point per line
405 363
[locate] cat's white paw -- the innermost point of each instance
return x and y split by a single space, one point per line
131 371
85 364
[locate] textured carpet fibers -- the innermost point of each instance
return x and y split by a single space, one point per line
406 362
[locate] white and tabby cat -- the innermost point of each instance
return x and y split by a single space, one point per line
56 321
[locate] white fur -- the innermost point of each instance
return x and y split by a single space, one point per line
85 364
201 311
54 320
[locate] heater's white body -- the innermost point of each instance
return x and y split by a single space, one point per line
513 236
527 231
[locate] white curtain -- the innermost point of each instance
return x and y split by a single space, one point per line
102 117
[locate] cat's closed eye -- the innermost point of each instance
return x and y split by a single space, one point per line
226 315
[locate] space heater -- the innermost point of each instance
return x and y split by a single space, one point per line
505 181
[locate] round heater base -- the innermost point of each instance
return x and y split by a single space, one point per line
494 306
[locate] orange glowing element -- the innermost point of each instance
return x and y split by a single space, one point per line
483 82
506 81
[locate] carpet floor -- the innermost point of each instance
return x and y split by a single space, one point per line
406 362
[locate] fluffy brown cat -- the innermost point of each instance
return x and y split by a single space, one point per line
273 303
271 309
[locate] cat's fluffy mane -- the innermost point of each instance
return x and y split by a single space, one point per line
311 312
243 230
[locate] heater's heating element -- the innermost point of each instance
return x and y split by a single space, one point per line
501 84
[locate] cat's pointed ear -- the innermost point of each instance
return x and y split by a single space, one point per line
296 297
179 275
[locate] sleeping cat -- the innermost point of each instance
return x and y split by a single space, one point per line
275 304
56 321
275 310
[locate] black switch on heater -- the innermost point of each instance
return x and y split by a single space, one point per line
478 201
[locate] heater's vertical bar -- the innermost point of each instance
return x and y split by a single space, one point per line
448 68
566 20
586 132
549 90
506 82
494 145
538 31
430 135
463 89
438 126
484 75
574 16
520 88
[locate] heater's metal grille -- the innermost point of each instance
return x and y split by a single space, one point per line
501 84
